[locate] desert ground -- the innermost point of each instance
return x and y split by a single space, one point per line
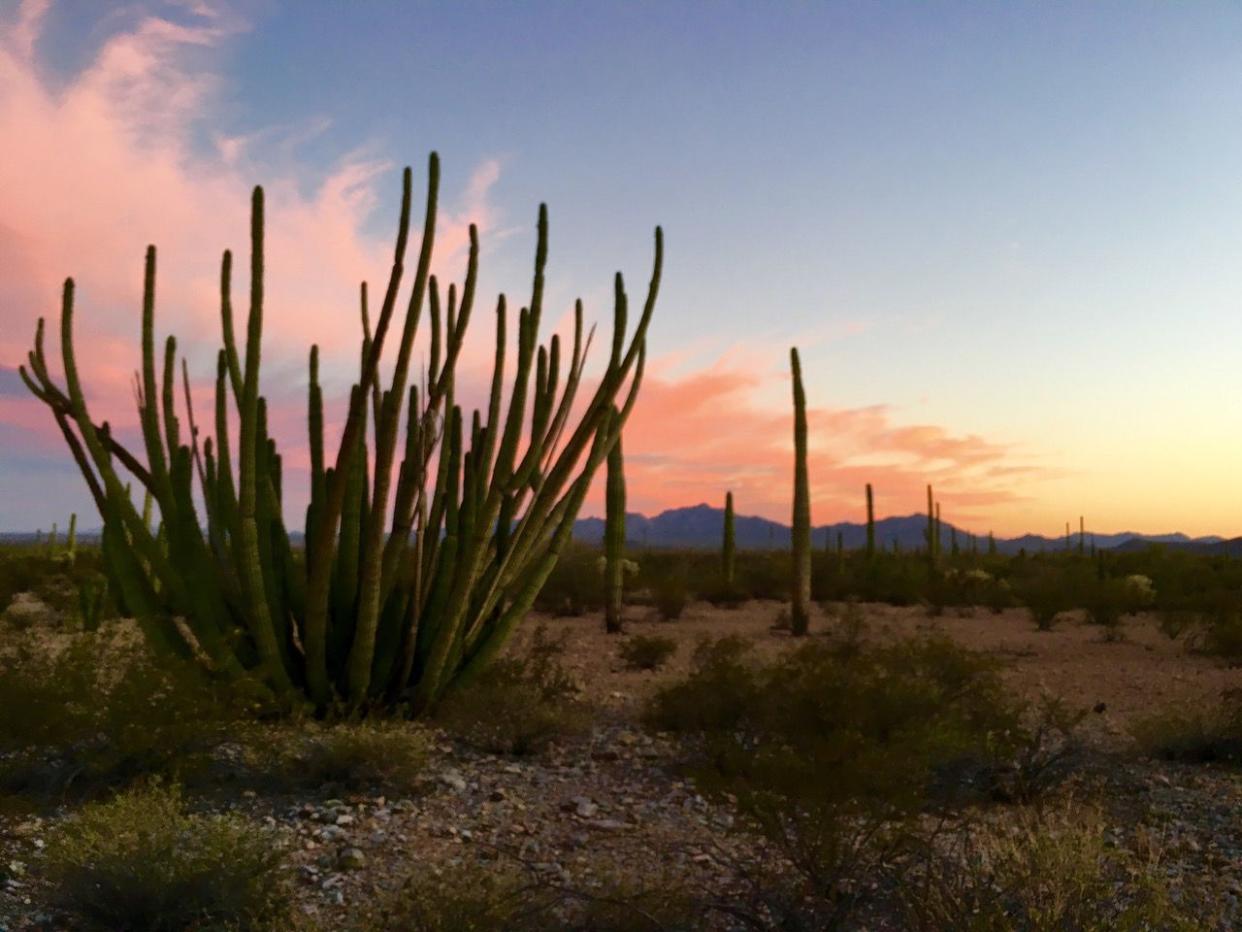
612 801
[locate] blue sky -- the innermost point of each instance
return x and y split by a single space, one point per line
1019 222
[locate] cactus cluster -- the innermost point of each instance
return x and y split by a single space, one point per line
425 547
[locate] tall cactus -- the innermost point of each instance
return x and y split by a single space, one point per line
801 595
728 553
931 527
429 534
614 537
71 538
870 523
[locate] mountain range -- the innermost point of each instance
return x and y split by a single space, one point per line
702 526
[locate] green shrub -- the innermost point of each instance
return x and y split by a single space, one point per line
464 899
671 592
647 652
99 715
141 862
1222 637
356 756
831 755
575 586
518 705
1046 594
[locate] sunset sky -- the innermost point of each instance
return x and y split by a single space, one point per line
1006 237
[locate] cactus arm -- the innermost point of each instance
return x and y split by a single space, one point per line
319 549
614 528
258 614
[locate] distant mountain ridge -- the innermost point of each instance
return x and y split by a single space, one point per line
701 527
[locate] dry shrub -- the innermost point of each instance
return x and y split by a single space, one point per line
518 705
355 756
141 862
95 715
647 652
1044 871
1195 734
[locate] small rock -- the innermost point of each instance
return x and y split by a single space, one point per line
351 859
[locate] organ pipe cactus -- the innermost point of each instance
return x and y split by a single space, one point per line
870 522
728 555
430 530
614 537
801 595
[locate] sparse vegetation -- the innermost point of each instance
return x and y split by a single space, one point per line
647 652
522 704
142 862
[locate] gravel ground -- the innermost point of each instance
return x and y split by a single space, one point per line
613 804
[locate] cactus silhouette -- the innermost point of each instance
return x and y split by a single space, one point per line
423 552
614 536
801 595
728 553
870 523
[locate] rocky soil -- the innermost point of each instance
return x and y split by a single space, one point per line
612 803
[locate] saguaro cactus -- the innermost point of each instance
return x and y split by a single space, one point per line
614 537
728 553
931 527
422 556
870 523
71 538
799 614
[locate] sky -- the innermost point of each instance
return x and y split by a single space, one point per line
1006 238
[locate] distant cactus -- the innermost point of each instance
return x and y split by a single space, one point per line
931 527
991 544
870 522
801 595
421 556
953 549
728 553
1082 536
614 536
71 538
92 596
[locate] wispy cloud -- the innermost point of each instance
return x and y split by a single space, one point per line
693 437
100 163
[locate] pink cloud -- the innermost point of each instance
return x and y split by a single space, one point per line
694 437
100 166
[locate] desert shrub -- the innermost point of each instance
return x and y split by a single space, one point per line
481 898
1174 622
647 652
670 592
464 899
575 585
141 862
1041 871
847 626
355 756
714 589
519 704
763 574
1194 733
1046 594
1222 637
96 715
881 722
714 697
